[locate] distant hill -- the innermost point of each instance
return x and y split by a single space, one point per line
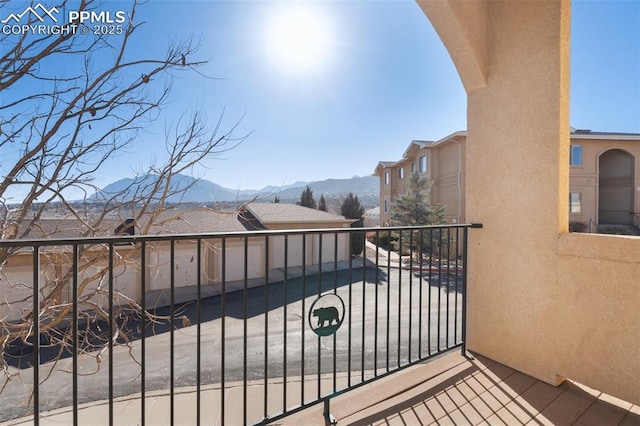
203 191
360 186
188 189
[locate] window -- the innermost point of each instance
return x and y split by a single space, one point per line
423 164
575 157
400 173
575 202
413 167
386 178
386 206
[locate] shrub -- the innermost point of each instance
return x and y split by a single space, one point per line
382 239
577 227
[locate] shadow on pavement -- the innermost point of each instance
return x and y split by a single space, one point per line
94 334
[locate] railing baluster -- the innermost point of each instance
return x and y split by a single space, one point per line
457 274
399 298
245 330
429 278
143 327
284 323
198 329
304 296
421 284
74 331
36 335
364 306
172 296
223 314
265 402
411 248
439 287
375 315
335 291
111 319
388 343
464 290
319 293
351 234
448 289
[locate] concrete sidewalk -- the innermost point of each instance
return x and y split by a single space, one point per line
127 410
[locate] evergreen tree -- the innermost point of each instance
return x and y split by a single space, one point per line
276 200
306 199
351 209
414 207
322 204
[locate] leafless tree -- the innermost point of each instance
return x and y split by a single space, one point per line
58 127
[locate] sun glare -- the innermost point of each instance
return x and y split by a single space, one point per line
299 40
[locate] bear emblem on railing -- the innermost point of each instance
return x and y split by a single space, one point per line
329 314
326 314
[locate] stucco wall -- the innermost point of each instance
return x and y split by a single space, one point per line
599 320
449 185
550 304
515 175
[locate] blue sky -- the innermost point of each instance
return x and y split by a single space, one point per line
379 78
383 80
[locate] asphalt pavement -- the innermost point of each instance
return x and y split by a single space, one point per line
390 317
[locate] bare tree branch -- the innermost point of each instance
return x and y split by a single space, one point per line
59 126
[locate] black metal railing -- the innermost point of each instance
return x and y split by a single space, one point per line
259 324
617 217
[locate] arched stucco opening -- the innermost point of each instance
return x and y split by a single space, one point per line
615 187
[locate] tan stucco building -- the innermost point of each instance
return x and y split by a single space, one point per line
442 161
604 177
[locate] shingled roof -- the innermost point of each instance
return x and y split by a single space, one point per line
201 220
62 228
279 213
250 217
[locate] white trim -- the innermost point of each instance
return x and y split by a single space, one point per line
606 137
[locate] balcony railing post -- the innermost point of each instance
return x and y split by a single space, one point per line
465 248
329 420
465 266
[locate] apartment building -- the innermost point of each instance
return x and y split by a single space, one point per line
604 177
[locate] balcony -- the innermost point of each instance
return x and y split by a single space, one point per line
257 328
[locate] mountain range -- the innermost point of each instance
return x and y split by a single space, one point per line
187 189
